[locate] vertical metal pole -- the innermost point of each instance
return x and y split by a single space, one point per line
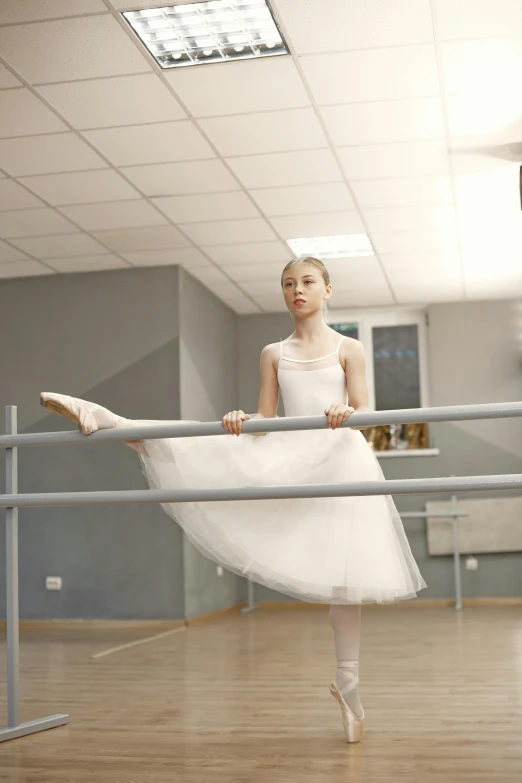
11 531
251 605
456 556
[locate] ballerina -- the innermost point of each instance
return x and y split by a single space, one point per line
342 551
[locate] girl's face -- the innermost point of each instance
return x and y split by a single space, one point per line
304 282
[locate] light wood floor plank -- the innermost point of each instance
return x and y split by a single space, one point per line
245 698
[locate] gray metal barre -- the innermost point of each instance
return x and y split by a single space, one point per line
181 429
388 487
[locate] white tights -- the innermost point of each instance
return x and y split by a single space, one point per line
345 620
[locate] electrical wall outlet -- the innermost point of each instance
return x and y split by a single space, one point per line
220 570
471 563
53 582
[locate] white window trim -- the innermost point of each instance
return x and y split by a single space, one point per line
366 320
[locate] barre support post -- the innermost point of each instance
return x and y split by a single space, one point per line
14 727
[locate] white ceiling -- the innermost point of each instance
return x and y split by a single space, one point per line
390 118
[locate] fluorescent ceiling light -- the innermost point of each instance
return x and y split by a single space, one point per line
208 32
332 247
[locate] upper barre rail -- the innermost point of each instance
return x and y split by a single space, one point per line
183 429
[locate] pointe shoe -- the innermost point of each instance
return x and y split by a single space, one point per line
353 724
79 411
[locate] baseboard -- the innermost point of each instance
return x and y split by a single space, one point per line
164 625
161 625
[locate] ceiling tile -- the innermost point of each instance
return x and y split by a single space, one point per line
8 253
404 191
211 275
13 11
478 18
336 26
402 159
24 269
224 232
81 187
258 288
395 72
162 142
367 298
33 222
146 238
23 114
250 253
225 289
114 215
492 289
187 256
305 167
300 199
413 241
355 273
242 273
47 154
432 218
423 269
488 65
411 119
121 100
60 246
7 79
484 153
318 224
272 304
240 87
427 293
176 179
275 131
81 48
478 78
14 196
126 5
241 305
468 116
207 206
87 263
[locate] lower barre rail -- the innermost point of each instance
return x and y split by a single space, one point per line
510 481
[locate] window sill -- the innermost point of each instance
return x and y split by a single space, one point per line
408 453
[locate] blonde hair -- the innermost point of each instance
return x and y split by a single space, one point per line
314 262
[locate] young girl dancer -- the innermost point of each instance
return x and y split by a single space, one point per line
343 551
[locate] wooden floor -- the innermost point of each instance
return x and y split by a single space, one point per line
245 699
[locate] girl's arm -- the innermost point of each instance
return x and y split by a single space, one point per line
269 390
356 383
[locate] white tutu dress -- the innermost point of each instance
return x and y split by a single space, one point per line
334 550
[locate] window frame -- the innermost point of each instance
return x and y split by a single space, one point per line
367 319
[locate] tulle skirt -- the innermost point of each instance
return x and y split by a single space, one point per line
335 550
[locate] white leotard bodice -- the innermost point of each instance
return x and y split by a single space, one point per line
307 390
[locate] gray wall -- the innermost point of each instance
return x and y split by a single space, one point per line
155 343
111 337
474 357
209 388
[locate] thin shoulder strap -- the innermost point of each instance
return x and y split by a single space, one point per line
338 346
280 347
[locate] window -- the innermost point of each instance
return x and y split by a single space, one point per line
395 345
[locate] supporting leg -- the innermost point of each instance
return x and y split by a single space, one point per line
345 620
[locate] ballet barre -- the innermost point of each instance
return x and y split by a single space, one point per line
12 500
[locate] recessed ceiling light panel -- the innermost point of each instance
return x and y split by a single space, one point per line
339 246
208 32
